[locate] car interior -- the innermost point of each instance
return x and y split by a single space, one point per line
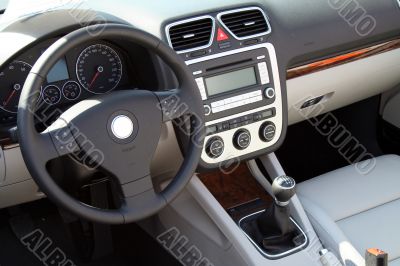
199 133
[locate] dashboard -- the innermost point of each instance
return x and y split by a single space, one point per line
247 92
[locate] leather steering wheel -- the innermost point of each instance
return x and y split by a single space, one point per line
89 128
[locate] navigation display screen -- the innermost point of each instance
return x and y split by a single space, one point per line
231 81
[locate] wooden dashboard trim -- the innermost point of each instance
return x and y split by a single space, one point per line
342 59
234 186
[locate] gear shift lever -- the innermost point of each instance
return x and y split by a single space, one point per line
274 223
283 188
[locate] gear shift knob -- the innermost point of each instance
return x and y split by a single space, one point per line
283 188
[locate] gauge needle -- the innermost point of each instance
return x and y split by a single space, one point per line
16 88
98 72
7 101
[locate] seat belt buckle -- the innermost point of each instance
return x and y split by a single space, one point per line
376 257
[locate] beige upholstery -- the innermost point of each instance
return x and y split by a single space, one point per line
352 211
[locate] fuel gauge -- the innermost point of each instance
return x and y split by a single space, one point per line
51 94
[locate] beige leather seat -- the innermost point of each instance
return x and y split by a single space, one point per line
352 212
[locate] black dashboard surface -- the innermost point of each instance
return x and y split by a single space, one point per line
301 30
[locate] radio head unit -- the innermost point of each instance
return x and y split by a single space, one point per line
242 99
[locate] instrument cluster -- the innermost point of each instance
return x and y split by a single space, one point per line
92 69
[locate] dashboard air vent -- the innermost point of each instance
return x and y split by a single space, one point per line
191 34
245 23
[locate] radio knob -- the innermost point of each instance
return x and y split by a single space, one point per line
215 147
267 131
242 139
269 93
207 110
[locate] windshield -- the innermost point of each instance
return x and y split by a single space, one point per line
3 5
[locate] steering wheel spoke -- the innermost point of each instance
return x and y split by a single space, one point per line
137 187
62 138
174 104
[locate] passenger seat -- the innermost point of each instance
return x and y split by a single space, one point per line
352 212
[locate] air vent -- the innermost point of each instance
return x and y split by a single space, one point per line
245 23
190 35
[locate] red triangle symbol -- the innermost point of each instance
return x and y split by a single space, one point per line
221 35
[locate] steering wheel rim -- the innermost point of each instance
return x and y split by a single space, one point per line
38 148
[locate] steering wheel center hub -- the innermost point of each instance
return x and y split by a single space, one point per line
122 127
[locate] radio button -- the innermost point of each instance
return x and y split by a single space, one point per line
202 88
255 93
242 139
263 69
215 147
207 110
218 109
269 93
267 131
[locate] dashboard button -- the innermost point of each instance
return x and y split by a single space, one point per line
225 126
267 131
233 126
247 122
211 130
215 147
256 117
242 139
267 113
198 53
235 121
251 42
247 117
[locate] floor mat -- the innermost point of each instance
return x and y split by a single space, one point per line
132 245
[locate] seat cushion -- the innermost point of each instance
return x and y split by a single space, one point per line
365 208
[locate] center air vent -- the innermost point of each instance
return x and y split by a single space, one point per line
245 23
192 34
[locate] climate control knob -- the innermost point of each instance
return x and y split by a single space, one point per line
267 131
242 139
215 147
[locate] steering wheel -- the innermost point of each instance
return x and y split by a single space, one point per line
117 132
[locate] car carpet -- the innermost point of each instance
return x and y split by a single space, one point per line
132 245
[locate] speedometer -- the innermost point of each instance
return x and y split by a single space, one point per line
99 68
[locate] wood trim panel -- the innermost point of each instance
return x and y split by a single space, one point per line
234 187
342 59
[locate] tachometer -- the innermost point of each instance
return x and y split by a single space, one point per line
12 79
99 68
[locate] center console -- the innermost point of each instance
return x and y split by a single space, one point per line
236 71
242 100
